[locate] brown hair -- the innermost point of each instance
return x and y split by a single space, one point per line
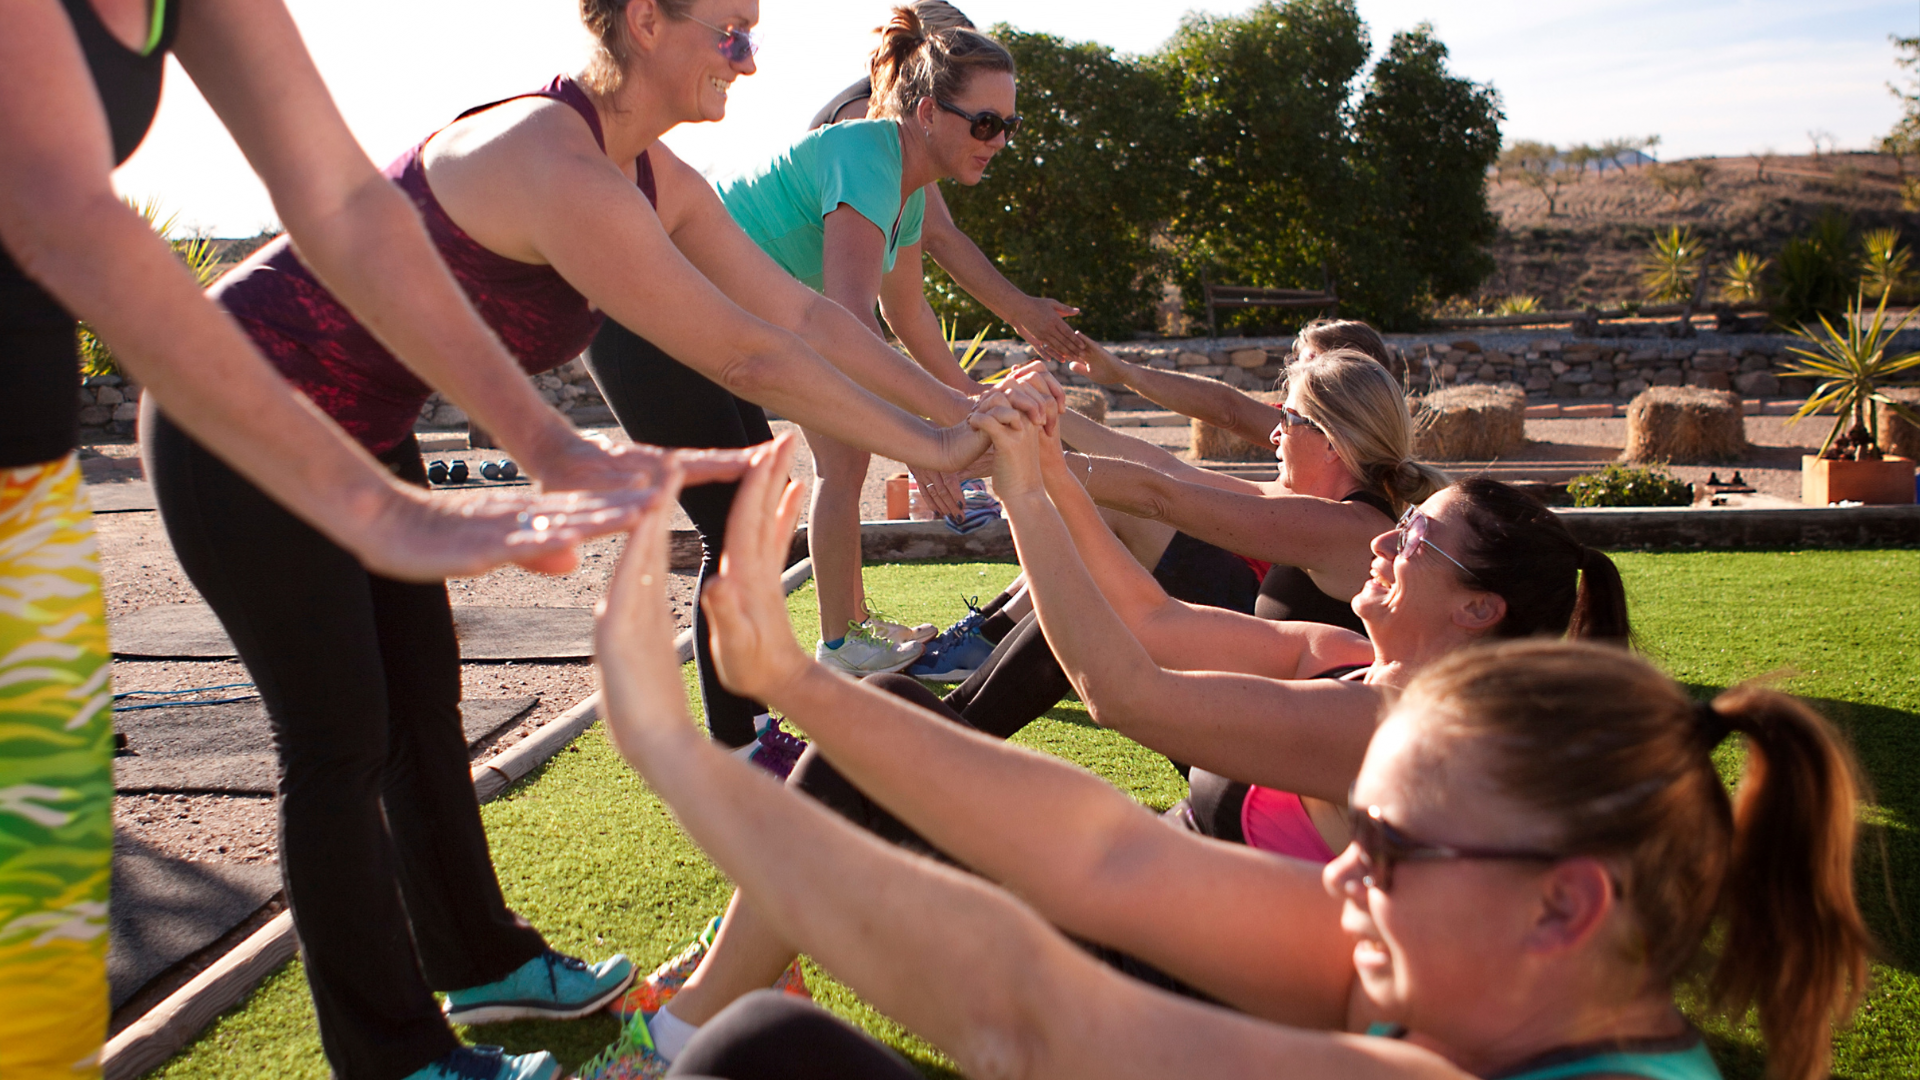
915 61
1619 759
1325 335
1550 581
605 20
1363 412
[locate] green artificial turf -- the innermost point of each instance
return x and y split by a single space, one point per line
592 858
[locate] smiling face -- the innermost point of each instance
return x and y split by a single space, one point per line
1423 593
1445 950
950 142
689 67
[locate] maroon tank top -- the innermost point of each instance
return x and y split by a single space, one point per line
324 351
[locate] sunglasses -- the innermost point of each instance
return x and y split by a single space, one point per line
736 45
1293 419
986 123
1382 847
1412 531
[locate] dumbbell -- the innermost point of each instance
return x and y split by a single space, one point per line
457 472
489 470
436 472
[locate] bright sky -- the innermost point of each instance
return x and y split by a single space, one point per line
1709 76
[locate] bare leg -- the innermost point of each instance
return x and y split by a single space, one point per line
1147 540
747 956
833 533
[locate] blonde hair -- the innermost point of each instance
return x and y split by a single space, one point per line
918 58
605 20
1619 760
1363 411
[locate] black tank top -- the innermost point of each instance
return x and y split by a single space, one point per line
1288 592
39 367
860 91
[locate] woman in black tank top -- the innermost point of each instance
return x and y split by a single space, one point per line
79 84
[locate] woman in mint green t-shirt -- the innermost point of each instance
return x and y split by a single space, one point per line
841 210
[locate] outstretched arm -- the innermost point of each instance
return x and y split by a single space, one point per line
64 226
1008 996
1035 318
1189 395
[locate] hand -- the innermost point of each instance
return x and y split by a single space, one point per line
1033 391
422 536
1096 363
753 645
1016 447
941 490
594 463
642 697
1037 320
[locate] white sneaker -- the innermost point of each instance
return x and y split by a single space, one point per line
901 634
864 652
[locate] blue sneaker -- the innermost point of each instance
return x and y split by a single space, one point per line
957 653
489 1063
550 986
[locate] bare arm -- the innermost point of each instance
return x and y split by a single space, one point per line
903 303
1034 318
65 228
1190 395
1099 440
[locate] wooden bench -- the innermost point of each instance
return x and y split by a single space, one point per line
1248 296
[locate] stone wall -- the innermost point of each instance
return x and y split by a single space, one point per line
1550 368
109 405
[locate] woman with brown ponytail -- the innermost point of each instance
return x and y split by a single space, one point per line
1541 848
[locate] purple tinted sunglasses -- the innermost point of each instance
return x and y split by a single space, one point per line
736 45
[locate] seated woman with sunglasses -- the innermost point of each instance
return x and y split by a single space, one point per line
1541 846
1274 716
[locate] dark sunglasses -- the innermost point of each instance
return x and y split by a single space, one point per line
1294 419
986 123
736 45
1412 531
1382 846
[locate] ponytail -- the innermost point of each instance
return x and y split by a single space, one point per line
928 50
1796 949
1617 760
1600 608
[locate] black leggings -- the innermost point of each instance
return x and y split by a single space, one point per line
1022 678
661 401
382 852
768 1035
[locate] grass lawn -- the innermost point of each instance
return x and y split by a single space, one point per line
592 858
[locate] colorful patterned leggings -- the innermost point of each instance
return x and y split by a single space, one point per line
56 778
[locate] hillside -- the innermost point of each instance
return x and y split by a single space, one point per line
1588 251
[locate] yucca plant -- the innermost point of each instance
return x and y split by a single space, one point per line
1884 264
1741 280
972 353
96 357
1671 265
1517 305
1853 370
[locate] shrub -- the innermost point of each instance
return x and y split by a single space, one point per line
1743 279
1884 262
1070 207
96 357
1616 485
1523 304
1816 272
1672 264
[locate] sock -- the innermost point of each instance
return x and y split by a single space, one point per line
670 1034
836 642
997 626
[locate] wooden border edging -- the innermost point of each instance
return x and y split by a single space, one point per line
183 1014
1683 528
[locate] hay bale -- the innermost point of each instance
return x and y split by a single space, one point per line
1209 443
1686 424
1897 437
1088 401
1470 423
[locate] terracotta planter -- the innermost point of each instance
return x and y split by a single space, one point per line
1884 482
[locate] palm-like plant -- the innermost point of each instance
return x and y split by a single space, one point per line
1741 280
972 354
1672 264
1885 262
1523 304
1853 370
96 357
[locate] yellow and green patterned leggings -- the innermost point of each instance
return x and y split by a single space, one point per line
56 778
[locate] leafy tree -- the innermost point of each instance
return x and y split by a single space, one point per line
1071 206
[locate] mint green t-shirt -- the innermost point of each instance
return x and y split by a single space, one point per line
783 204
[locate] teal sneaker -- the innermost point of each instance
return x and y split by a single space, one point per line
631 1056
550 986
489 1063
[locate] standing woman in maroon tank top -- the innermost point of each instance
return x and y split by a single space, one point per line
79 83
550 208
